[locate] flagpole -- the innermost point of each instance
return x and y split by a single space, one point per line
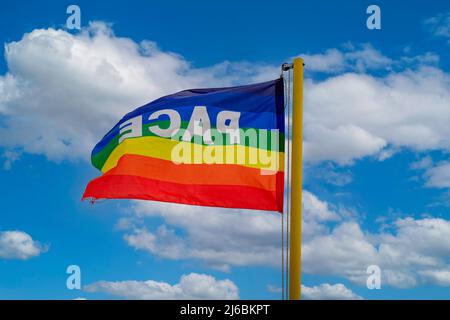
296 182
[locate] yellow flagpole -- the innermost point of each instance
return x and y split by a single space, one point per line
296 183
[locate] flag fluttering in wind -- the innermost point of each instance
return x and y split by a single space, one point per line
221 147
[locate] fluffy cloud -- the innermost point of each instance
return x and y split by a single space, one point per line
68 90
329 174
439 25
412 253
10 156
192 286
415 249
323 291
438 176
439 276
323 143
220 237
327 291
423 163
344 251
350 116
435 174
19 245
349 59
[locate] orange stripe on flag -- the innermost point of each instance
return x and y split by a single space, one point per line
198 174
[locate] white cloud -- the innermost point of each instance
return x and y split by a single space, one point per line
338 178
440 276
19 245
344 251
438 176
334 144
10 157
316 210
274 289
333 243
350 116
439 25
327 291
69 90
417 247
331 61
323 291
423 163
349 59
192 286
221 237
387 153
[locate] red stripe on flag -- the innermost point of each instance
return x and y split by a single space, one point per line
226 196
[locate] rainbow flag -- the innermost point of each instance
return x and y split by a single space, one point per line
221 147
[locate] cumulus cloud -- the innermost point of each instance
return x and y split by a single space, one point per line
438 176
220 237
10 156
324 291
334 177
415 248
192 286
323 143
435 174
423 163
439 25
343 251
439 276
19 245
349 59
333 242
327 291
350 116
274 289
68 90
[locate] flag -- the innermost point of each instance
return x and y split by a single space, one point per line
220 147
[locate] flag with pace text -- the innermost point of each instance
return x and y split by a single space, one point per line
221 147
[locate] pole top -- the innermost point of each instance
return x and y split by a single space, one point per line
298 60
286 66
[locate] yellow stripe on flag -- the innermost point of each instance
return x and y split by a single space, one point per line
166 149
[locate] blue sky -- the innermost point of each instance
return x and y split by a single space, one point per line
376 146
